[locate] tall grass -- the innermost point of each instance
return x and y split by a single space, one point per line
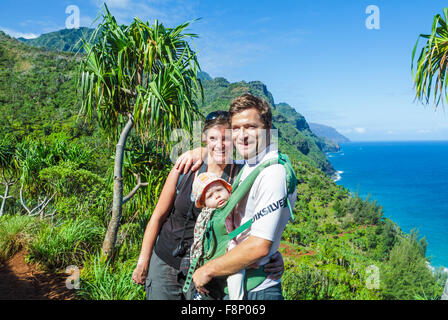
15 234
102 281
60 246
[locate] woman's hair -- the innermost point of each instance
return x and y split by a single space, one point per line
216 118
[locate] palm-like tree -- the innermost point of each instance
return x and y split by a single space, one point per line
138 76
432 62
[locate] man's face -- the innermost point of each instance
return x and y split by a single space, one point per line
216 195
248 133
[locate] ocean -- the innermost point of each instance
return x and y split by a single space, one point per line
408 179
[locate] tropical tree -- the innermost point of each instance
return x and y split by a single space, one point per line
142 76
432 62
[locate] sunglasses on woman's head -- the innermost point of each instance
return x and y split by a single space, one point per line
215 114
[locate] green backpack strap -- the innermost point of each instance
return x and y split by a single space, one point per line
238 192
291 179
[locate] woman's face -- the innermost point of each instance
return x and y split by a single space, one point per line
219 144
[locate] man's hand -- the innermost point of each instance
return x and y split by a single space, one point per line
139 274
275 267
193 157
200 278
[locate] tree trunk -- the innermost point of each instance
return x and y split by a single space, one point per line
5 197
114 224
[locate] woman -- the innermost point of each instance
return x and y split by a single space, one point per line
169 233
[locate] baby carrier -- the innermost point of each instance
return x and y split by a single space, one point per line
216 237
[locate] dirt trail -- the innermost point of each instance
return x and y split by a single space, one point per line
289 251
21 281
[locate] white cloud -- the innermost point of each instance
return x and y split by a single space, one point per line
18 34
360 130
424 131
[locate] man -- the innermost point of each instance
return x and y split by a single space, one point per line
265 203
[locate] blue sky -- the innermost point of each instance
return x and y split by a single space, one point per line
318 56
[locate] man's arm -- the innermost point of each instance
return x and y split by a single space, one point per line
243 255
193 158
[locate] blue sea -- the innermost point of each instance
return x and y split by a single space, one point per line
408 179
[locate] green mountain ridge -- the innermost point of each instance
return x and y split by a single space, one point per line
328 132
295 136
67 40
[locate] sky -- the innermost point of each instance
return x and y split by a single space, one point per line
318 56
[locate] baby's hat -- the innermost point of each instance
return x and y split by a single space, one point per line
200 184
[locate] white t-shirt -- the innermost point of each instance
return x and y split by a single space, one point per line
266 204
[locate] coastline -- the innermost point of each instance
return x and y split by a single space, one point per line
363 160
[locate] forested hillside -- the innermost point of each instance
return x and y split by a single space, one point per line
56 175
295 136
63 40
328 132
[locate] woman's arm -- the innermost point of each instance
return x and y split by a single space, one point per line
161 211
275 267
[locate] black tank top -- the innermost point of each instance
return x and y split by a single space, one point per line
172 229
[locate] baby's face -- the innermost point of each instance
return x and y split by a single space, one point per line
216 195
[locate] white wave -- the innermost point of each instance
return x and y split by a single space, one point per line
434 269
337 176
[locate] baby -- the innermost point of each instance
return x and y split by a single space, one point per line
209 193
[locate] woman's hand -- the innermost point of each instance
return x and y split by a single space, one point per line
193 158
275 267
140 273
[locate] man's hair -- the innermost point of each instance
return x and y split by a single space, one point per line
248 101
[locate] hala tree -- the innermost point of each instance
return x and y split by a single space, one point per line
432 62
142 76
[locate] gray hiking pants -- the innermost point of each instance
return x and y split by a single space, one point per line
162 282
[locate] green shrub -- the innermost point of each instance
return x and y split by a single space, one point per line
406 275
306 282
339 209
64 245
364 211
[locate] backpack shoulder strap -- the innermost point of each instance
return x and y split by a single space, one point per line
183 177
182 180
291 184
